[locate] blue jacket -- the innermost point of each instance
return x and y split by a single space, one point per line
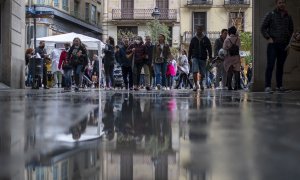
121 57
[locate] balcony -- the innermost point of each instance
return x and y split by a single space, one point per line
237 3
143 14
200 3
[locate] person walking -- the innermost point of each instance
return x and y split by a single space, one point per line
171 71
148 62
125 63
232 61
43 53
200 48
65 65
78 57
161 53
137 51
184 70
109 62
277 28
54 56
221 73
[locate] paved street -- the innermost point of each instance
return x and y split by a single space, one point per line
210 135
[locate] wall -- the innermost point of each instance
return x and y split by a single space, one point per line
12 63
292 66
217 16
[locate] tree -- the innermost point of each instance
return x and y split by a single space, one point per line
125 33
246 41
154 28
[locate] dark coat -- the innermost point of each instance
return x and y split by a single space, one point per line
157 52
121 57
75 60
278 27
218 45
109 55
200 48
140 52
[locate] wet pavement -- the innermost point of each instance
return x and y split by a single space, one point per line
175 135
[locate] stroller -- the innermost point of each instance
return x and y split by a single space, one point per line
36 72
118 77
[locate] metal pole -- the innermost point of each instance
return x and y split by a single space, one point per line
34 27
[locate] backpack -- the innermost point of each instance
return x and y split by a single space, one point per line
234 50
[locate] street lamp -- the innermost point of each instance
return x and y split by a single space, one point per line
155 13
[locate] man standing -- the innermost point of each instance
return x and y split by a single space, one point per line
220 63
43 53
277 28
148 63
54 56
200 47
125 63
161 53
138 52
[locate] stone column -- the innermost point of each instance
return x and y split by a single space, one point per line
12 62
292 66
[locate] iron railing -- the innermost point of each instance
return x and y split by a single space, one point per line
143 14
236 2
200 2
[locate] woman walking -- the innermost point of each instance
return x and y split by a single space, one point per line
109 62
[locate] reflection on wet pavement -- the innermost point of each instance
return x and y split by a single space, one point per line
178 135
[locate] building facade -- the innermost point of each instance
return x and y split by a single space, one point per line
77 16
133 15
12 43
214 15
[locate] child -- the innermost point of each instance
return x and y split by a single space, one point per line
171 71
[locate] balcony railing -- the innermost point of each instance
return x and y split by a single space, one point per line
200 2
143 14
236 2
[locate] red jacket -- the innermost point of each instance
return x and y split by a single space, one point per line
63 57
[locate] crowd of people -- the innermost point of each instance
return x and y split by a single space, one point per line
146 64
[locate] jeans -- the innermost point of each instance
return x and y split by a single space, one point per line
137 73
78 75
160 70
221 73
68 77
170 81
275 51
147 70
127 76
109 74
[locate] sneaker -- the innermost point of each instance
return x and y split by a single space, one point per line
148 88
131 88
76 89
268 90
164 88
282 90
196 88
155 88
158 86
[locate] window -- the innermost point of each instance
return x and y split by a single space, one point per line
76 9
55 173
55 3
40 174
65 5
199 19
93 14
163 6
41 2
87 11
0 24
127 9
64 170
237 19
99 18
